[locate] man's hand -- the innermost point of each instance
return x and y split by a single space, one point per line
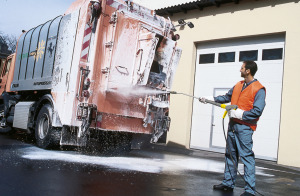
238 113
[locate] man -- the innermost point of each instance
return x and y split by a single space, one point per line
249 95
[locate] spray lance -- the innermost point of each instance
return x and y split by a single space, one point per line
224 106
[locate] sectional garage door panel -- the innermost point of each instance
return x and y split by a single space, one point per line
218 67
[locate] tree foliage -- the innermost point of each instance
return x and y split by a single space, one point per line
8 43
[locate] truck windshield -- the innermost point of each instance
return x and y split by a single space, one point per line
2 62
4 67
7 67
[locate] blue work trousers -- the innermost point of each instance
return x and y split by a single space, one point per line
240 143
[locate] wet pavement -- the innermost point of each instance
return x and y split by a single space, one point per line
28 170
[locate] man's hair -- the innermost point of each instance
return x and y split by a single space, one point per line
252 66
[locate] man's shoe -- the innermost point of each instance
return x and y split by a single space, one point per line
247 194
222 187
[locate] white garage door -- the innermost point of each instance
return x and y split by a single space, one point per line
217 70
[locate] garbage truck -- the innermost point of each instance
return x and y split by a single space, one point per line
101 72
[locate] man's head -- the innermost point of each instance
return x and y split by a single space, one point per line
248 67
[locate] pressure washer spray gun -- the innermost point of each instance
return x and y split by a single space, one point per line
224 106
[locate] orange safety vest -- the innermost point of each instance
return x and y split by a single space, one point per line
245 99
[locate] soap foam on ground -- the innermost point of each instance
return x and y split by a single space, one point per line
167 164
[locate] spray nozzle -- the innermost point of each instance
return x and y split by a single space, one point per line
172 92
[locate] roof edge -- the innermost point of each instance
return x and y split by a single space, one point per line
199 4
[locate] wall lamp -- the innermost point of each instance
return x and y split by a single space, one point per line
181 23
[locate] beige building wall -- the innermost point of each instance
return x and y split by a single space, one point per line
248 18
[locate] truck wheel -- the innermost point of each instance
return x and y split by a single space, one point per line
46 136
7 128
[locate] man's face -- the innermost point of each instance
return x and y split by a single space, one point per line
244 72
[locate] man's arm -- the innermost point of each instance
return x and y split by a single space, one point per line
224 98
258 106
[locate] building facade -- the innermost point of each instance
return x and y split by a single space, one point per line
226 33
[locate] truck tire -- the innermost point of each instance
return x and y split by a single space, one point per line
46 136
7 128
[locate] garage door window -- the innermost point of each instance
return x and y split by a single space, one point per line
226 57
206 58
272 54
250 55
